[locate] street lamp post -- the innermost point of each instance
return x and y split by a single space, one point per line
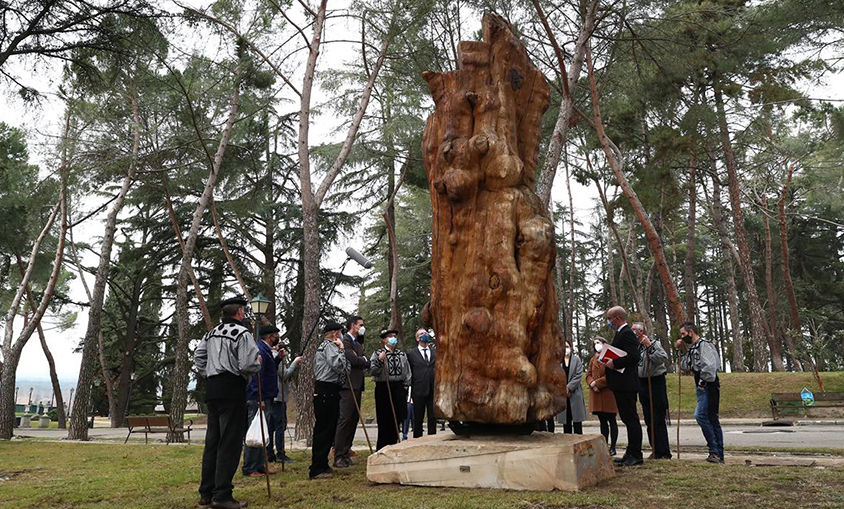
260 305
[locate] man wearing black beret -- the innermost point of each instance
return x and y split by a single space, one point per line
226 357
253 458
330 367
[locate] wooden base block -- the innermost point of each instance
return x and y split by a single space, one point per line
541 462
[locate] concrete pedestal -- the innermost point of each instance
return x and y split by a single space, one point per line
26 421
540 461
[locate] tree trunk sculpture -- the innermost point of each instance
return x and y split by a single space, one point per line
493 304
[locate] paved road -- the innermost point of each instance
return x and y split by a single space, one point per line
744 434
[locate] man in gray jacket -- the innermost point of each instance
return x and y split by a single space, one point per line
702 360
330 368
285 373
653 361
227 356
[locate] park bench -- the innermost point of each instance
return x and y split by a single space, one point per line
155 424
791 403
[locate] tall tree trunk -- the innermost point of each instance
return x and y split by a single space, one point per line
12 351
310 242
109 383
566 113
393 248
51 363
181 367
718 219
616 163
795 331
757 319
611 265
569 302
689 277
127 357
78 429
774 339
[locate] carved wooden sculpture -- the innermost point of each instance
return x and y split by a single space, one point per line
493 306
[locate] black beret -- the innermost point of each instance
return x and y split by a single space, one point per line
384 333
267 329
331 326
240 301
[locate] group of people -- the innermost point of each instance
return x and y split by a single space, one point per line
404 386
244 376
640 374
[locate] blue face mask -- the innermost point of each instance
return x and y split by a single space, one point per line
425 338
392 341
610 325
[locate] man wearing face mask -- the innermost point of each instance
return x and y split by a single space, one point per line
350 394
330 367
702 360
391 373
625 386
422 360
652 364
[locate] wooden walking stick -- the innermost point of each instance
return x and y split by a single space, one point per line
261 412
390 394
284 409
650 400
679 398
360 416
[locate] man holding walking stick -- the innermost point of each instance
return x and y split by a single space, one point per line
253 457
350 393
653 394
391 373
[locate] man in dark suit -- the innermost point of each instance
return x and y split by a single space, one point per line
350 395
422 360
625 385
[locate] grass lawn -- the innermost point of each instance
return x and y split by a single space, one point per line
56 475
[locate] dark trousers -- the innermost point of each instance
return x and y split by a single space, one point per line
277 424
706 414
387 425
660 401
424 405
626 403
545 425
223 441
408 421
569 426
609 428
347 424
326 410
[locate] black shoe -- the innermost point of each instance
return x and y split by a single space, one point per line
631 461
229 504
204 502
612 451
714 458
619 461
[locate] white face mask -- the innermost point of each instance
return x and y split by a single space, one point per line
362 330
598 347
568 351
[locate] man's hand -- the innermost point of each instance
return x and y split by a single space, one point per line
382 356
297 360
339 343
679 344
610 365
260 359
263 407
645 340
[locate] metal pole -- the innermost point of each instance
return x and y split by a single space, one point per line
261 412
390 393
360 416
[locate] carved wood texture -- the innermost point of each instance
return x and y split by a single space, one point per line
493 305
